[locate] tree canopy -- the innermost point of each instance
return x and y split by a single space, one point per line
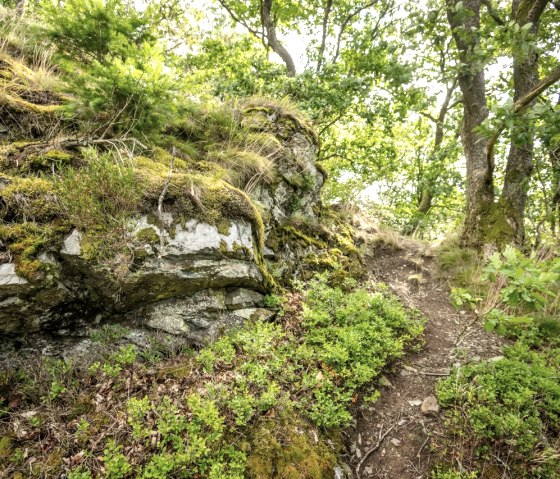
437 116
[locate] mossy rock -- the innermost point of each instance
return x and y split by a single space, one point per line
279 117
147 235
288 449
26 240
28 199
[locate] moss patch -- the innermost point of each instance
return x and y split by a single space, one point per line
147 235
28 199
325 244
288 449
5 447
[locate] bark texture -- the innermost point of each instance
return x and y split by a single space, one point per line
520 159
464 19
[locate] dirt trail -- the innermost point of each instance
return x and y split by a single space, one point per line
451 337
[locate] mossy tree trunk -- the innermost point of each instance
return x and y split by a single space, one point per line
464 20
520 159
555 215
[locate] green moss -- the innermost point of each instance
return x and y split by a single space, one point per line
25 241
15 102
241 250
267 115
29 199
223 248
224 226
289 234
181 148
52 159
325 244
6 443
165 158
148 235
498 230
287 449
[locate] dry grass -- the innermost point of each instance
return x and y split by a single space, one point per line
37 72
463 267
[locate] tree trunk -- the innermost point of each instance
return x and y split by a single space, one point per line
269 25
326 15
520 159
555 214
426 196
480 184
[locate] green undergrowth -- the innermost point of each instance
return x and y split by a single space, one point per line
506 413
503 414
260 402
206 161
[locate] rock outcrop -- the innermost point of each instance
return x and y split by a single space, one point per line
194 263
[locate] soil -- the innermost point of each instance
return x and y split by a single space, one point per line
392 437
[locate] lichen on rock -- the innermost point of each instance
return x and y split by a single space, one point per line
176 220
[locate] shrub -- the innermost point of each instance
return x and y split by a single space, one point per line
249 404
114 65
524 294
346 338
508 408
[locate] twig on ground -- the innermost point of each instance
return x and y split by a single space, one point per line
435 373
462 334
382 436
422 447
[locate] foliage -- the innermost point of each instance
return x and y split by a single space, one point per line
248 405
525 293
505 408
503 413
123 83
461 297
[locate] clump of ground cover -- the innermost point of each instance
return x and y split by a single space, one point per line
253 404
503 415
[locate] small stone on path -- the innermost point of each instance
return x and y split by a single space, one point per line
396 442
383 381
430 406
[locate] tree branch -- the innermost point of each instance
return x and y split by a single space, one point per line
428 116
520 105
346 22
492 12
536 10
270 28
326 16
239 20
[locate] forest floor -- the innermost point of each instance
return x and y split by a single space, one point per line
393 438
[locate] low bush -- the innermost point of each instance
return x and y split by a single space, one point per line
503 415
523 294
506 413
252 404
